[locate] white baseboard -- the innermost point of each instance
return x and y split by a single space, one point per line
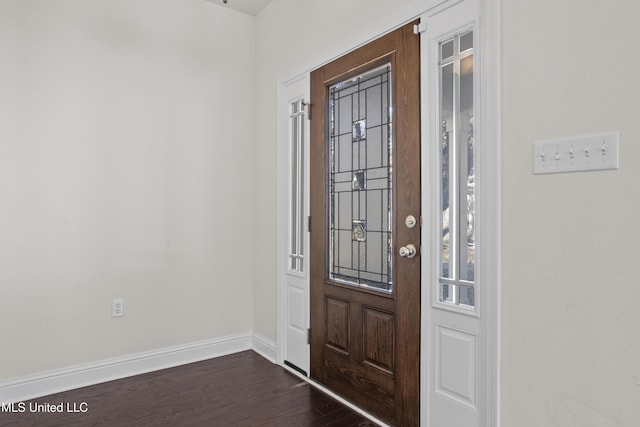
60 380
264 347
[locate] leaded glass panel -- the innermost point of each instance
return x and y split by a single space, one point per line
360 180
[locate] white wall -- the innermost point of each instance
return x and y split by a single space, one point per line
125 155
570 282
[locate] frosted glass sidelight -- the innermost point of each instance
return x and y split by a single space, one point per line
360 180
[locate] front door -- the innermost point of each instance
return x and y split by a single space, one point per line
365 226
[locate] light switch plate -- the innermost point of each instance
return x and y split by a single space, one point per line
576 154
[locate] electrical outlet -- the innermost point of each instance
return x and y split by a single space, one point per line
117 307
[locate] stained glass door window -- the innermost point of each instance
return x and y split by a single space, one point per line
360 180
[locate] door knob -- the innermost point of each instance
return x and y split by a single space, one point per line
408 251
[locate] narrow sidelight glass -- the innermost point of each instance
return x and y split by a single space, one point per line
457 174
296 186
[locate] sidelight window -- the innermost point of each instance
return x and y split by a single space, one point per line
296 185
457 173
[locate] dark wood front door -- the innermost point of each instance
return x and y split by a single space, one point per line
365 189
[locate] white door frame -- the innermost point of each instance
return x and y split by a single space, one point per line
490 134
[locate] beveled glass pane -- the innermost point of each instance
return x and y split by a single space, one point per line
359 180
360 184
359 231
359 130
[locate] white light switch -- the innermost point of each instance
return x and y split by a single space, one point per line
580 153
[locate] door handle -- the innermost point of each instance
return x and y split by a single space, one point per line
408 251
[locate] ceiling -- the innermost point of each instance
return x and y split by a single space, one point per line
251 7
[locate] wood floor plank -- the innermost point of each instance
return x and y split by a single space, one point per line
241 389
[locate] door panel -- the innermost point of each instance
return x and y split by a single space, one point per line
296 292
365 180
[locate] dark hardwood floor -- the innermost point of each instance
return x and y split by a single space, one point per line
241 389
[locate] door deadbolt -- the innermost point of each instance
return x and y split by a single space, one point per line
410 221
408 251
